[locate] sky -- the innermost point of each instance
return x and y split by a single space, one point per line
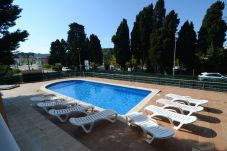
48 20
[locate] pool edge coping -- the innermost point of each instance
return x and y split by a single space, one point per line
137 107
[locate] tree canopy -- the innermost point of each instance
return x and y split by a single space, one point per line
186 46
76 42
58 52
121 44
95 50
211 37
9 41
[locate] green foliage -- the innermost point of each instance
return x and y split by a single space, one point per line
47 66
162 42
211 38
107 55
186 46
168 39
212 31
121 44
159 14
132 62
9 41
113 61
154 52
16 71
76 42
136 41
58 52
141 33
3 69
95 50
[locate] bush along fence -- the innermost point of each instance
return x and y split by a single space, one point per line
195 84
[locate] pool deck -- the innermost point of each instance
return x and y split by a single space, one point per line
34 130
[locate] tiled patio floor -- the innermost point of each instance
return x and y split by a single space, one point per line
33 129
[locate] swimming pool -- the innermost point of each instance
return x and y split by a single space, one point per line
107 96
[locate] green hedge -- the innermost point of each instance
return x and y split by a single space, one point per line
11 80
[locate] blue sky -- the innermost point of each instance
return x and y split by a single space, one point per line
48 20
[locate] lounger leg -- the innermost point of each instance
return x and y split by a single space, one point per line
112 119
45 109
178 127
89 129
149 141
62 119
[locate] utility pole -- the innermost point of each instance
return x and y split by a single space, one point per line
174 54
79 58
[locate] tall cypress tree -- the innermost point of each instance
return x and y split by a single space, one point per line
145 31
9 41
121 44
159 14
140 34
211 38
76 40
212 31
136 41
58 52
155 50
95 50
168 41
186 46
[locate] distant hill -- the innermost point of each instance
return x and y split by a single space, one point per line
36 55
39 55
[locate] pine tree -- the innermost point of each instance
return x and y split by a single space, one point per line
186 46
9 41
121 44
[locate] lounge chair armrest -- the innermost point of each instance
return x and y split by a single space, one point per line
172 110
166 106
157 115
181 101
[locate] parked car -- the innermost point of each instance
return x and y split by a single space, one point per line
65 69
205 76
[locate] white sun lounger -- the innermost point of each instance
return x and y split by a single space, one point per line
182 107
149 127
91 119
187 99
49 104
63 114
45 98
170 115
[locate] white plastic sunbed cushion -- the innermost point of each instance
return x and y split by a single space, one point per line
49 104
184 107
172 115
150 126
43 98
187 98
92 118
77 108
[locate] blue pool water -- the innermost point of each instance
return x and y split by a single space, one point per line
120 99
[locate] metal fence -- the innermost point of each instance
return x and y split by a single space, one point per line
194 84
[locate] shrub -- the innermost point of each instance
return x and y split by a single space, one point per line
16 71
